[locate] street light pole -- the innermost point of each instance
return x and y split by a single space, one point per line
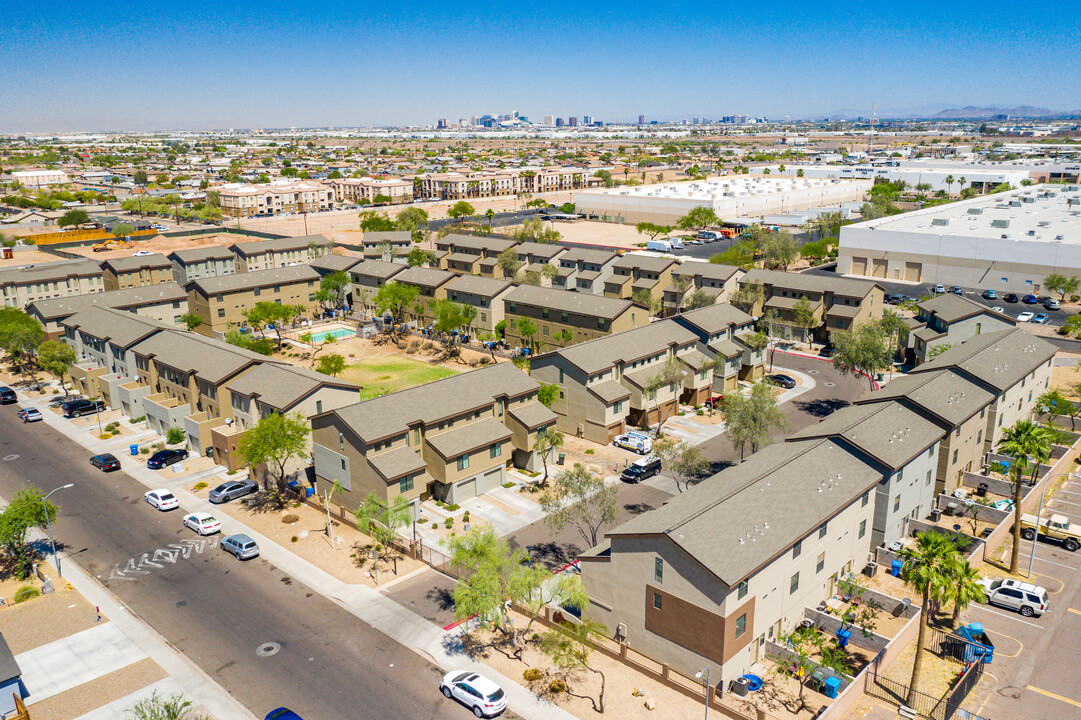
699 674
49 526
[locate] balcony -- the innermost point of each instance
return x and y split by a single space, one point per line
164 411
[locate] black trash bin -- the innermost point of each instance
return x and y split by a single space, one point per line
981 490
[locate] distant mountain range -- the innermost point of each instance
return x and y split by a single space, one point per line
967 112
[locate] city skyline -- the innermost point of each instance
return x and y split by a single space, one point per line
94 68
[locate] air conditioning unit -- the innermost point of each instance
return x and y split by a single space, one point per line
870 569
741 686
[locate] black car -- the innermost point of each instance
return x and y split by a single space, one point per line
232 489
783 380
106 462
164 458
1010 297
639 470
78 408
826 352
7 396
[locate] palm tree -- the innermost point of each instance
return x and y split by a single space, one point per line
927 569
949 182
961 183
490 214
1025 442
964 588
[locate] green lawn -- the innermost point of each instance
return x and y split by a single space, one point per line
382 375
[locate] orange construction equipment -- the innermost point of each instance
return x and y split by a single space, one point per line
111 243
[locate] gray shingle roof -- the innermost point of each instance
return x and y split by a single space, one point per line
468 437
394 237
943 393
609 391
127 298
396 462
539 250
709 271
281 386
259 247
889 431
714 318
9 667
647 263
532 415
50 271
803 282
116 326
585 255
156 261
999 358
423 277
952 308
261 278
628 346
377 269
727 348
202 254
391 414
212 360
571 302
476 285
777 496
475 242
335 263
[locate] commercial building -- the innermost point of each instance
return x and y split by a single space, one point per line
221 302
140 271
730 196
21 286
1008 242
275 198
40 178
564 318
165 303
199 263
949 177
451 439
280 252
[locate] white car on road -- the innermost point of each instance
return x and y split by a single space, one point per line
476 692
162 499
141 253
202 523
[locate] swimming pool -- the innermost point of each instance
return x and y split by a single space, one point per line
336 334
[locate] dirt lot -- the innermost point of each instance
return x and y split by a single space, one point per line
164 245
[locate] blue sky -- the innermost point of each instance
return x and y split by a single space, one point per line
161 65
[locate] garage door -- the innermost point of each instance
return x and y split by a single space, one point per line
859 266
492 479
465 490
878 268
913 271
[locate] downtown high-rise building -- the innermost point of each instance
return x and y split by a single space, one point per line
549 120
572 121
641 119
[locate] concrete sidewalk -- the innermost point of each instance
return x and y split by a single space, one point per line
367 604
58 666
117 709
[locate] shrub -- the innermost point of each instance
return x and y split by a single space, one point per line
448 523
56 392
557 685
159 446
199 486
26 592
144 450
294 539
290 518
174 435
509 484
413 347
435 526
473 362
589 451
465 516
139 419
401 345
1075 298
453 507
532 674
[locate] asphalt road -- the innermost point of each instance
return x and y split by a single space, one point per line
216 610
501 219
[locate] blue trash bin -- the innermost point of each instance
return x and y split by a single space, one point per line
833 686
308 492
843 634
134 449
895 567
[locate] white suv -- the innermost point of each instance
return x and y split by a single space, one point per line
1026 598
478 693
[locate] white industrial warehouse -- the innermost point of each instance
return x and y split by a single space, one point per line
1008 241
730 197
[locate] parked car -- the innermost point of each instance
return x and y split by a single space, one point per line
202 523
162 499
1010 297
141 253
1030 299
998 309
29 415
241 546
106 462
785 381
233 489
639 470
478 693
7 396
164 458
282 713
1051 304
1025 598
78 408
896 299
990 295
826 352
1024 317
957 290
638 442
1056 527
716 402
939 289
1040 318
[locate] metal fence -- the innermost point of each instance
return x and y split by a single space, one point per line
928 706
955 647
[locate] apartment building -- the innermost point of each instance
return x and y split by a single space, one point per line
451 439
584 270
564 318
199 263
220 302
484 294
903 445
432 286
330 264
635 273
376 244
282 252
165 303
367 277
456 186
720 329
275 198
472 254
129 272
948 319
366 190
21 286
534 256
607 384
717 281
839 304
706 579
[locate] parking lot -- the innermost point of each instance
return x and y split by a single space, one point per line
1034 673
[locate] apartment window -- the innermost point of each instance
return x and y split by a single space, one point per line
928 478
797 549
463 462
257 292
618 406
544 313
563 317
277 288
484 317
561 376
741 590
793 585
822 531
979 436
512 307
341 442
220 297
741 624
416 436
544 330
955 455
600 323
318 406
405 484
658 569
495 450
221 312
896 503
820 563
957 431
657 601
863 528
342 462
931 450
983 411
311 297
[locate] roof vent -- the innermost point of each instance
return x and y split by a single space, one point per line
975 211
1000 223
941 222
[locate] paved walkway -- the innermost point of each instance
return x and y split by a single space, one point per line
367 604
80 658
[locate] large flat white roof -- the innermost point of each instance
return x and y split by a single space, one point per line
1050 213
716 189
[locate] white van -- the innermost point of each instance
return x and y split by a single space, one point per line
659 245
709 235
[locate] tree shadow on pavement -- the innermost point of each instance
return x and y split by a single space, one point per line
552 554
821 407
638 508
443 598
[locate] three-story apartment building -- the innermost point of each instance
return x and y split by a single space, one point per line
21 286
564 318
221 302
585 271
129 272
282 252
204 262
838 304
